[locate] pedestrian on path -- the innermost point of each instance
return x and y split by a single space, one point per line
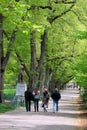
36 94
28 98
45 99
56 97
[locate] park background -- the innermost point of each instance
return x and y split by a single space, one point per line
49 38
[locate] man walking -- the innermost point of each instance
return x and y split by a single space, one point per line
55 96
28 98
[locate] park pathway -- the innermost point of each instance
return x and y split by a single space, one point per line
65 119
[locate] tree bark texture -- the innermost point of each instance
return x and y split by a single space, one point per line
1 59
33 61
41 68
37 68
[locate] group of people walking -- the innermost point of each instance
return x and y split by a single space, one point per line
35 96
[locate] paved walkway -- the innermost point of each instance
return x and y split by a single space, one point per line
65 119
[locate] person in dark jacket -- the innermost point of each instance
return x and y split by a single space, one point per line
55 96
28 98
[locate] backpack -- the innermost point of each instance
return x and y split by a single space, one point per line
47 96
37 96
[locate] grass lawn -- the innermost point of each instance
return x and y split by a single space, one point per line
5 108
8 95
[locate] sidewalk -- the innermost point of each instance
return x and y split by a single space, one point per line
65 119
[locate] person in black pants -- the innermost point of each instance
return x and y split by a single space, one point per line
28 98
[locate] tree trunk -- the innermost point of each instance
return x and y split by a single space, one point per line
33 61
47 77
41 79
41 67
1 87
52 84
1 59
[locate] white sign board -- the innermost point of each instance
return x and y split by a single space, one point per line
20 89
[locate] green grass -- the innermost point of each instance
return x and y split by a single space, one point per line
5 107
9 91
9 94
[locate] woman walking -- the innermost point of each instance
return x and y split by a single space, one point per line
36 94
45 99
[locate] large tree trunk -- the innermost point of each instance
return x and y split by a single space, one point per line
41 67
1 59
33 61
41 79
37 74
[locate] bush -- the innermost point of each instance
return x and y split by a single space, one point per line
84 99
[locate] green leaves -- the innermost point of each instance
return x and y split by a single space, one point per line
81 70
82 35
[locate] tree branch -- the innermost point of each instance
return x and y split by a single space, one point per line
11 43
63 58
6 35
79 18
42 7
52 19
57 58
65 2
46 7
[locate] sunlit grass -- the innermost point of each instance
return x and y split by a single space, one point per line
9 91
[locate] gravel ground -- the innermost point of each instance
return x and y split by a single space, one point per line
67 118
